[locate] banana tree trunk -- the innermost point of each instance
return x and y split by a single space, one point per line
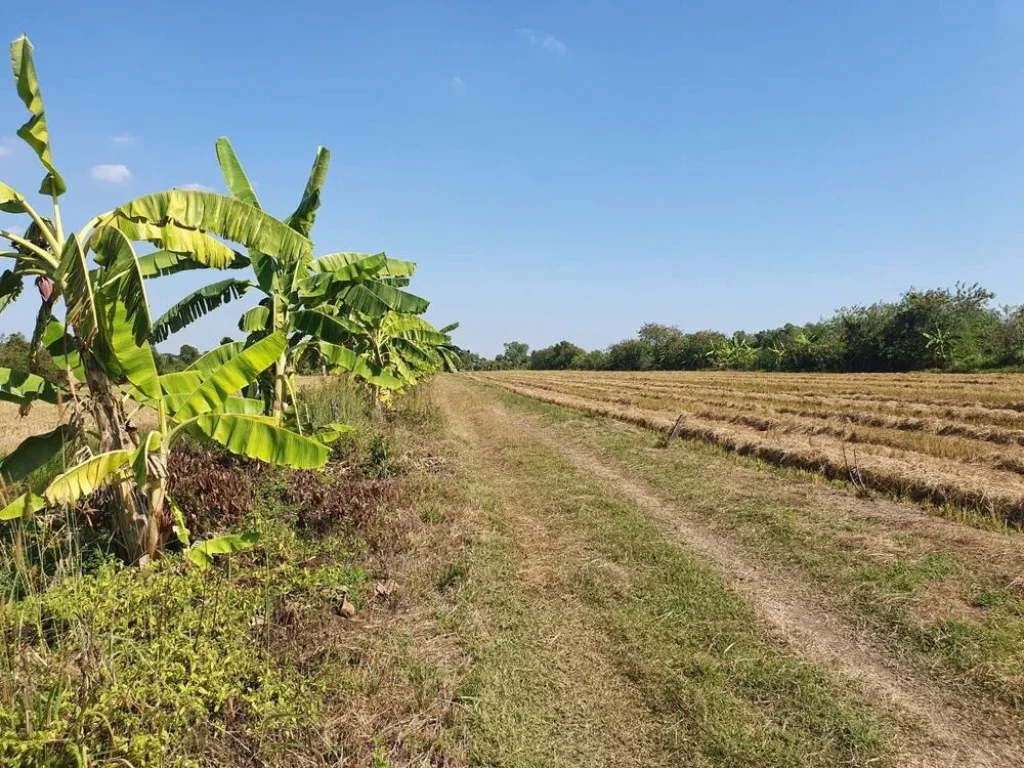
131 519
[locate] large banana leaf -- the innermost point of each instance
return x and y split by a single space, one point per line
73 274
399 268
63 349
346 359
135 360
33 453
121 280
336 330
231 377
233 404
376 298
140 463
192 243
21 387
203 552
35 132
26 504
255 319
451 359
253 437
414 328
162 263
82 479
363 264
234 174
181 382
228 218
216 357
196 305
302 220
318 283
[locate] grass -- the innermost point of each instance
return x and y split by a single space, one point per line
944 600
595 600
251 662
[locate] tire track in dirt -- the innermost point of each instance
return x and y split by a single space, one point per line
814 634
564 661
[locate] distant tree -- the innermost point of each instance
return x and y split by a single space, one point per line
557 357
630 355
225 340
188 354
665 343
516 355
595 360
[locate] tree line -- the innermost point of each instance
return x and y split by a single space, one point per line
958 329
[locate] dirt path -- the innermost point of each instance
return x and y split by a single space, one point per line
951 737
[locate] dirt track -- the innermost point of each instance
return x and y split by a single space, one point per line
946 730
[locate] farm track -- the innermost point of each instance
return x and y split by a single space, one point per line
946 730
930 460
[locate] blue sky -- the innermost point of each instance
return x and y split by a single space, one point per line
565 169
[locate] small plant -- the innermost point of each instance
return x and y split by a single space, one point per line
381 460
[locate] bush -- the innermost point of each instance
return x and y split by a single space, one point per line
213 489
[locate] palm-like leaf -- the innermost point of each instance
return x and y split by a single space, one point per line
228 218
255 320
196 305
134 360
216 357
26 504
73 274
34 452
302 220
82 479
162 263
336 330
232 376
196 245
256 438
21 387
234 174
35 132
121 280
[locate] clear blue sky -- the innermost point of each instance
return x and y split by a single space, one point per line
566 169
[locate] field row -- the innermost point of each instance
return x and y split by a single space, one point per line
942 439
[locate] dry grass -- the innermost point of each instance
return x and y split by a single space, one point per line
949 440
15 428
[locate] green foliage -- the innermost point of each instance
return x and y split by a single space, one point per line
194 656
955 329
560 356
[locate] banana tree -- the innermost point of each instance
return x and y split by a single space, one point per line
96 272
177 222
201 402
300 293
401 346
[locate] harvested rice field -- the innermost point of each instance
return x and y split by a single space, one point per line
955 441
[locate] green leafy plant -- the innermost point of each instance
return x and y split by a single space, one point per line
101 343
301 295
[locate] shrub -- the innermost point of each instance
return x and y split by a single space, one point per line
213 489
